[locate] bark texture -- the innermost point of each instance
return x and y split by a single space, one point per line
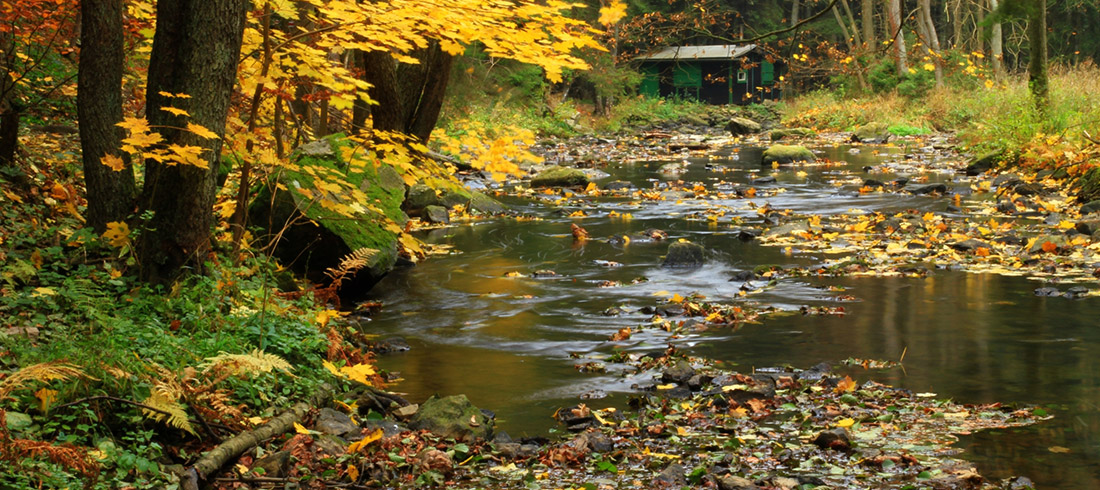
409 96
110 193
195 52
1037 75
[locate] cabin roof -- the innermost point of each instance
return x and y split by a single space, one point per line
711 52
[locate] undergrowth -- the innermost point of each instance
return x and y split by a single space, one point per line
99 370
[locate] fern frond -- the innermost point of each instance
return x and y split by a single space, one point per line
171 411
237 364
351 263
44 372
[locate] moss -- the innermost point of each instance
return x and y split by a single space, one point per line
560 177
787 154
383 187
778 134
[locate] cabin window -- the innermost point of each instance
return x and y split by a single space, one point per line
742 76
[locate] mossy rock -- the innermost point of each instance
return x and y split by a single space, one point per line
312 245
452 417
984 163
738 126
421 196
875 132
787 154
778 134
560 177
684 255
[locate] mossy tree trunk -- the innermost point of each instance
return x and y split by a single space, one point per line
110 193
195 52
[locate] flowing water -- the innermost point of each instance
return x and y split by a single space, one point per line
511 343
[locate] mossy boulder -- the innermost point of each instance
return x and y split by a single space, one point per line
778 134
787 154
684 255
875 132
984 163
560 177
313 197
454 417
738 126
421 196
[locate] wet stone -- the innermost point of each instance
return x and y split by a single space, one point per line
733 482
673 475
680 392
1029 189
970 245
680 372
835 439
683 255
764 180
389 427
274 465
1090 207
335 423
930 189
515 450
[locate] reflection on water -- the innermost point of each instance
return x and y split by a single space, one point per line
507 342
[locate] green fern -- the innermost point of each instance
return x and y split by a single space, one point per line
168 409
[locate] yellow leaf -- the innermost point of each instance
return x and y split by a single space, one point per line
612 13
662 293
42 291
358 372
299 428
113 162
117 234
176 111
361 443
676 298
845 423
353 472
666 387
846 384
46 397
201 131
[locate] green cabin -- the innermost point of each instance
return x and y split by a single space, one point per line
715 74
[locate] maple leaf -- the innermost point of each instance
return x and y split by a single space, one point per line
176 111
845 385
117 234
612 13
1050 247
201 131
113 162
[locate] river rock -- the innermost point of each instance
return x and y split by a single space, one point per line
315 244
984 163
330 421
778 134
1029 189
483 204
929 189
970 245
679 373
769 179
835 439
738 126
389 427
274 465
787 154
1059 242
454 417
418 198
1087 227
734 482
437 214
515 450
683 255
672 476
618 185
560 177
874 133
596 442
1091 207
392 344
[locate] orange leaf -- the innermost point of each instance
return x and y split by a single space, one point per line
1050 247
981 252
113 162
846 384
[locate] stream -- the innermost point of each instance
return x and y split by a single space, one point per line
482 322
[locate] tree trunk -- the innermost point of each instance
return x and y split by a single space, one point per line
409 96
856 37
851 49
867 20
931 40
10 110
195 52
794 13
893 9
996 47
1037 62
110 193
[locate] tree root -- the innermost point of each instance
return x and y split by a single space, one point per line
238 444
